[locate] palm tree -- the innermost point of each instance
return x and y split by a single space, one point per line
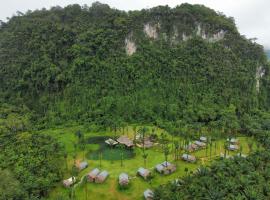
85 187
145 155
66 156
100 158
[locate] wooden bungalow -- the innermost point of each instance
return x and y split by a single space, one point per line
69 182
125 141
123 179
111 142
148 194
189 158
200 144
92 175
145 173
101 177
203 139
233 147
82 165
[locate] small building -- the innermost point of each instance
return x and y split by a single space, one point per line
233 147
188 158
200 144
92 175
111 142
145 173
165 168
82 165
191 147
125 141
232 140
101 177
148 194
69 182
123 179
203 139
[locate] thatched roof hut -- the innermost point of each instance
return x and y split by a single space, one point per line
188 158
125 141
123 179
69 182
93 174
102 177
145 173
148 194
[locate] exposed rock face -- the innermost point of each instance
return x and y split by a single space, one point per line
260 72
130 45
151 30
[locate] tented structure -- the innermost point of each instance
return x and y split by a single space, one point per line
93 174
123 179
188 158
145 173
101 177
69 182
148 194
125 141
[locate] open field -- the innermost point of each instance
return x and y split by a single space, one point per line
109 190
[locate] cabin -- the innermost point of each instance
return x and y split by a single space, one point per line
188 158
148 194
111 142
123 179
165 168
69 182
92 175
200 144
203 139
145 173
232 140
125 141
101 177
82 165
233 147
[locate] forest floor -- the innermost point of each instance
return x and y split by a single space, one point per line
109 190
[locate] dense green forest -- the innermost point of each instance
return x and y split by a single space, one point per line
179 68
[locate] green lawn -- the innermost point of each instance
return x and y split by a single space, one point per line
109 189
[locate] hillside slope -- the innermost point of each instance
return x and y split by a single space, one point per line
100 65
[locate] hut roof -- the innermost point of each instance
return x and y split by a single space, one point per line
111 142
123 179
102 176
143 172
148 194
189 158
70 181
82 165
125 140
94 173
203 138
199 143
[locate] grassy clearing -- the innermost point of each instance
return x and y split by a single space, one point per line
109 190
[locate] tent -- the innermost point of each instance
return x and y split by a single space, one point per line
82 165
145 173
123 179
199 143
233 140
93 174
69 182
233 147
102 177
148 194
203 139
111 142
165 168
188 158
